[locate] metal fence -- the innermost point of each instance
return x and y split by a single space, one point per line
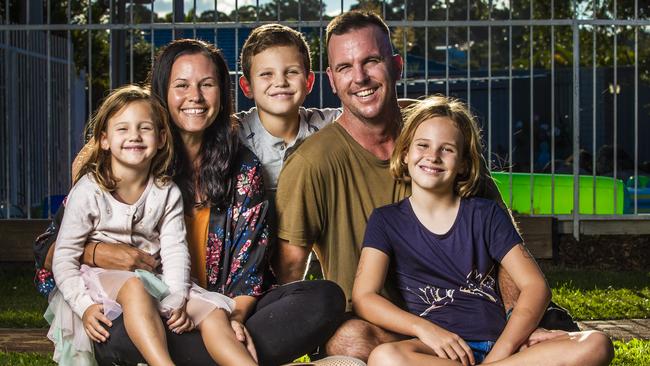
561 88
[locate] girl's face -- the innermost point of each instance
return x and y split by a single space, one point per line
434 156
193 97
132 137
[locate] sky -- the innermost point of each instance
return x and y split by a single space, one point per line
332 7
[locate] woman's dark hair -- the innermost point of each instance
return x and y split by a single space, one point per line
220 142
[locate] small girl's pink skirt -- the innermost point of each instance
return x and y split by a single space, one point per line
72 345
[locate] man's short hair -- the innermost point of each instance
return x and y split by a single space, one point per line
355 19
273 35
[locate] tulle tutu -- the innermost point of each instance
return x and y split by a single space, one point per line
72 345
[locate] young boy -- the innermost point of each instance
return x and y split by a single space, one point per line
277 74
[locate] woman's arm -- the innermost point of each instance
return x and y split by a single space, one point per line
533 300
370 305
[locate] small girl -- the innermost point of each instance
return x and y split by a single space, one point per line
444 246
123 195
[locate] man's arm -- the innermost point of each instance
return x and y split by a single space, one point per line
290 261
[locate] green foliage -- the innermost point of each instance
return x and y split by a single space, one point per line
633 353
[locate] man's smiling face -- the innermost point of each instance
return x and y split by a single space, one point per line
363 71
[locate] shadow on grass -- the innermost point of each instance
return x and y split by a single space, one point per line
21 306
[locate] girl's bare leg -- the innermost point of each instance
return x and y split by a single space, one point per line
220 341
580 349
590 348
409 352
143 324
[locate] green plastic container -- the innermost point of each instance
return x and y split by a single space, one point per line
563 195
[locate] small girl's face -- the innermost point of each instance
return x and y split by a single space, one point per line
434 156
132 137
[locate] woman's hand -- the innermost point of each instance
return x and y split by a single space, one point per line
119 256
446 344
242 335
180 322
92 319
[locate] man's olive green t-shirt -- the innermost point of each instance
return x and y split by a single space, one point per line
326 192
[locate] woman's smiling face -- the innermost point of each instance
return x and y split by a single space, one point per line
194 95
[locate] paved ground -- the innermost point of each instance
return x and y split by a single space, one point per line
34 340
624 329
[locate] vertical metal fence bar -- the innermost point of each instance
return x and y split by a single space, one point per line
594 109
48 45
404 40
110 47
70 72
531 133
447 49
90 61
7 120
321 45
215 31
469 59
489 119
131 41
27 130
237 52
510 199
153 38
636 109
576 124
552 109
426 49
616 90
194 20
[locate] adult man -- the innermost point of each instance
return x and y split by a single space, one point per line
331 184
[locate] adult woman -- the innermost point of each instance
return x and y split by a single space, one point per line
226 215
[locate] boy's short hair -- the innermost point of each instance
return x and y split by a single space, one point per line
273 35
355 19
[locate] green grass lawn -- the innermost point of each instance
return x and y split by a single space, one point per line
21 306
587 294
591 294
632 353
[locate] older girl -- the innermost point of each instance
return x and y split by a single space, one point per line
444 246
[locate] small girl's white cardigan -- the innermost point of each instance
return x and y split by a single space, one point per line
154 223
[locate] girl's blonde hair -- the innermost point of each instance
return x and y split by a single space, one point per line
99 160
470 181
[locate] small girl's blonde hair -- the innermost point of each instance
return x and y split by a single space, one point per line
469 183
98 162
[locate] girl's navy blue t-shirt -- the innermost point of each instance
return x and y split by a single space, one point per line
448 279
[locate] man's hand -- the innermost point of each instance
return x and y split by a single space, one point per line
242 335
120 256
92 320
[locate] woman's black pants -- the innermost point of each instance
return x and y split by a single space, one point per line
287 322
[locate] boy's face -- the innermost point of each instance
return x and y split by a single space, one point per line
278 81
